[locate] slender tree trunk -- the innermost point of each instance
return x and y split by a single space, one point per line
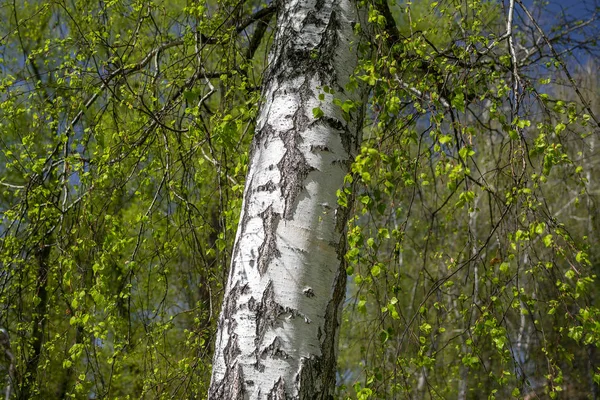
277 333
69 377
10 358
39 324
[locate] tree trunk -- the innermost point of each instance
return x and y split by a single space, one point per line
277 333
39 322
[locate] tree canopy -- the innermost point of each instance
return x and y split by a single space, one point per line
125 129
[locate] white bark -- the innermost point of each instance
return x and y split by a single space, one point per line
277 333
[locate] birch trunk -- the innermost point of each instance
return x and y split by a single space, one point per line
277 333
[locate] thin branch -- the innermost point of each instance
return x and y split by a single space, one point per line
417 92
513 57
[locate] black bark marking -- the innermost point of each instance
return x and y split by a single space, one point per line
230 302
274 350
319 5
268 249
301 60
252 304
264 136
293 166
278 391
231 387
259 366
267 313
267 187
333 123
309 292
309 379
313 19
332 327
232 350
319 147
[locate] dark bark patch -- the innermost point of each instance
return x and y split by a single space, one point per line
231 387
309 292
274 350
261 138
267 187
319 5
252 304
313 19
278 391
309 380
267 313
333 123
319 147
232 350
260 367
230 305
268 249
293 166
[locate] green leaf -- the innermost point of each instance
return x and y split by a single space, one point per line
458 102
445 139
522 123
318 113
376 270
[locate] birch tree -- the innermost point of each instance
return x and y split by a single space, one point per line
278 329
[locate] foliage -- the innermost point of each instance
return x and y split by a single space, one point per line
124 129
471 251
121 190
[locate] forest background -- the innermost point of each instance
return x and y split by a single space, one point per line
472 254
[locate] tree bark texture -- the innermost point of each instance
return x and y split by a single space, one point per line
277 333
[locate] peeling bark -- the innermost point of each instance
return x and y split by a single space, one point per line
278 328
